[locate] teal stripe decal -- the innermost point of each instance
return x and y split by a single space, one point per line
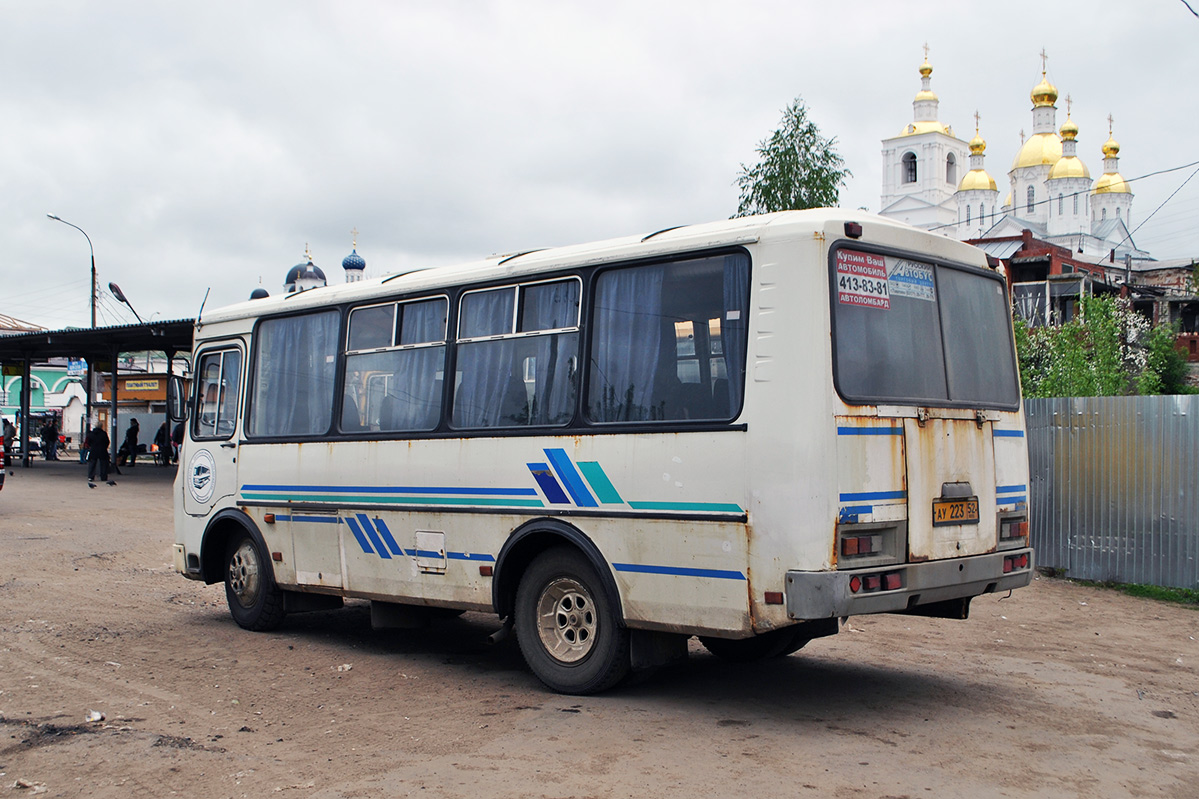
377 500
605 492
710 507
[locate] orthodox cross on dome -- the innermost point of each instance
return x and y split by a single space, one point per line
1022 136
976 120
926 51
354 233
1044 61
1109 125
307 252
1069 103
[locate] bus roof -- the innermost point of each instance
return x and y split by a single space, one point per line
729 232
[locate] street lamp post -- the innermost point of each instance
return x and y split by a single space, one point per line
93 252
91 372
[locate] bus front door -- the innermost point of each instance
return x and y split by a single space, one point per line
210 470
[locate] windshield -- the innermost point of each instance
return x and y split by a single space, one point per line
914 332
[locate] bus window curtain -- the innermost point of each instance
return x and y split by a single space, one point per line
293 393
733 326
625 344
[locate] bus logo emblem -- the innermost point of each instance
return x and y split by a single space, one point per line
200 472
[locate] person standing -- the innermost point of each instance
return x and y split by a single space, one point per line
10 434
176 441
50 440
97 456
131 442
162 443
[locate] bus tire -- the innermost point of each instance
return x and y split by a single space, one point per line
775 643
255 602
567 627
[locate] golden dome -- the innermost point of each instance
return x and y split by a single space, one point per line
1044 93
927 126
925 95
977 145
1007 201
977 179
1069 129
1069 167
1041 148
1111 183
1110 147
926 68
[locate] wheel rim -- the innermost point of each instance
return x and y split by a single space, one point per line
566 620
244 577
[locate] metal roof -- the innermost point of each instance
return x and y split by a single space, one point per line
97 343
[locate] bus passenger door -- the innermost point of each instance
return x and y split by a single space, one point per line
210 474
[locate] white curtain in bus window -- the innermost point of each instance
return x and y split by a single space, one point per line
669 341
220 380
397 389
528 375
294 369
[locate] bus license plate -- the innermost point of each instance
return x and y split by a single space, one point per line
954 511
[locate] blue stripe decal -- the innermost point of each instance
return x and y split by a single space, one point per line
865 495
357 531
483 492
549 485
1012 489
595 476
870 431
678 571
1022 499
312 519
852 512
570 477
1007 433
381 526
373 534
471 556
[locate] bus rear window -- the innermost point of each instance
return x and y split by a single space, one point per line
907 331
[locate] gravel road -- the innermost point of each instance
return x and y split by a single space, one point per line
1059 690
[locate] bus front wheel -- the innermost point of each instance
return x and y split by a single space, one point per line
567 627
255 602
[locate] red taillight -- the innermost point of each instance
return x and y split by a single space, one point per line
485 571
892 581
1007 565
873 582
859 545
774 597
855 584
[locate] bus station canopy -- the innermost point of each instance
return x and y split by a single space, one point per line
101 347
97 344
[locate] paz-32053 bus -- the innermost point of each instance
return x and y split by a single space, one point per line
743 431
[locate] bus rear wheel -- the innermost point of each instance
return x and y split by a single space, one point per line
566 626
776 643
255 602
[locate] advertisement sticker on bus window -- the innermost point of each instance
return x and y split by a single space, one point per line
910 279
862 280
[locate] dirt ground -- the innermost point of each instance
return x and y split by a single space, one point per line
1059 690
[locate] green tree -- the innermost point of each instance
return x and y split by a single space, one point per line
1106 349
798 168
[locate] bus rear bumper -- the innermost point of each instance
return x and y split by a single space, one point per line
821 595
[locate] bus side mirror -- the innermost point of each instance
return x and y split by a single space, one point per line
176 399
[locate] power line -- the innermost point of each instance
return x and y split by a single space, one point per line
1155 210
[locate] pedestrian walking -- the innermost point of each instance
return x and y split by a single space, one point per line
97 456
131 442
10 434
176 441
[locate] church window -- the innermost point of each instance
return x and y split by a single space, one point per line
1102 214
1076 202
1032 197
951 169
1118 214
1061 204
967 215
909 167
982 212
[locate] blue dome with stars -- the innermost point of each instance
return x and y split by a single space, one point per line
353 261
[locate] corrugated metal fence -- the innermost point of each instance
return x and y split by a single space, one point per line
1115 487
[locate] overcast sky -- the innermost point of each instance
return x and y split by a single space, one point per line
202 145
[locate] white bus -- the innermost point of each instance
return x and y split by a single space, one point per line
744 431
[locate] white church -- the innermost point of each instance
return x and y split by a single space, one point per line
934 180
